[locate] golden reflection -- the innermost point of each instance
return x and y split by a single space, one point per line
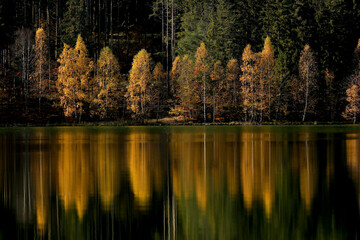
40 179
107 156
189 156
144 167
304 161
257 170
353 159
75 172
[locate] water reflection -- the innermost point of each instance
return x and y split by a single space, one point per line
143 183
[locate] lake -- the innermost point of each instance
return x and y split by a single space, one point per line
213 182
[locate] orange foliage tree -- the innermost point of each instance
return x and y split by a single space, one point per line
352 109
247 80
107 84
158 87
265 69
138 89
73 78
201 72
308 73
232 84
217 86
41 61
187 85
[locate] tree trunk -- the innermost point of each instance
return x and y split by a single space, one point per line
306 95
111 24
204 99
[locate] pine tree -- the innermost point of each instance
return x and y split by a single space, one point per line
73 23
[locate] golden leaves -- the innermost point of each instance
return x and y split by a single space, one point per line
73 77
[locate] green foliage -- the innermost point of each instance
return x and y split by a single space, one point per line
208 22
73 23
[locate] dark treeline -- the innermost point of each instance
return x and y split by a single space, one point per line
321 34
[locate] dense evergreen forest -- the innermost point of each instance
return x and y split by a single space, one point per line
192 60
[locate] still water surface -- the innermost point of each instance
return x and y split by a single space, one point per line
249 182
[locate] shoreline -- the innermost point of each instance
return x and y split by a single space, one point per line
169 124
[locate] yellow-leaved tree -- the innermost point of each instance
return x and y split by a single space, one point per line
231 95
73 78
201 72
107 84
353 97
175 74
266 72
41 62
217 89
158 87
307 73
247 80
138 89
186 92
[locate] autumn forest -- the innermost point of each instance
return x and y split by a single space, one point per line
179 60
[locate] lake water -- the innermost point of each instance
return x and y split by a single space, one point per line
243 182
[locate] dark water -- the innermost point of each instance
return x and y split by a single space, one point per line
180 183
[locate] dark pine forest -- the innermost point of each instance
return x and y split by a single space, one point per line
180 60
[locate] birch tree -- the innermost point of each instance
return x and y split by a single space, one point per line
308 73
41 62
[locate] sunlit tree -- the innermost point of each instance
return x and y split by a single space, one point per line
201 72
175 74
266 67
247 80
108 83
186 93
232 85
353 99
158 87
217 87
41 61
308 73
73 78
138 90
